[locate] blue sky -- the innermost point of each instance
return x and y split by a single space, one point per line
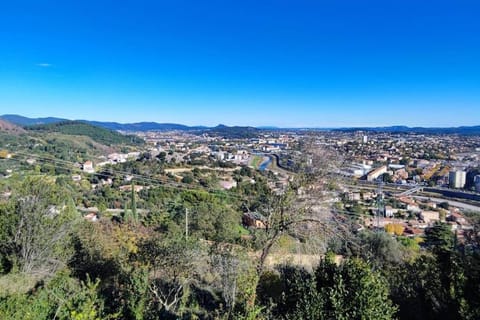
286 63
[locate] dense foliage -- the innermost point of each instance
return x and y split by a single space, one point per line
169 253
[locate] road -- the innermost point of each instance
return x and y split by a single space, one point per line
453 203
180 170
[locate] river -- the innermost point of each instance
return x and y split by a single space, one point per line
264 165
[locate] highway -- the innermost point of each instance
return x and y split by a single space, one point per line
468 200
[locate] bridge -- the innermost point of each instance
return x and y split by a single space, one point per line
410 191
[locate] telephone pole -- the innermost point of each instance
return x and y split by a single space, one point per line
186 223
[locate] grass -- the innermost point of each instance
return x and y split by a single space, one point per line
256 161
242 231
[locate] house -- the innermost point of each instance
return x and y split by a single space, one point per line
406 200
413 208
255 220
76 177
429 216
219 155
107 181
88 167
389 211
354 196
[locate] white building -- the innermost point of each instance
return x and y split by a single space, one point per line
88 167
389 212
373 175
457 179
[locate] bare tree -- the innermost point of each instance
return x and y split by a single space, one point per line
228 264
305 208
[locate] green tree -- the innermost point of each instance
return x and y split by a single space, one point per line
44 220
386 177
353 291
61 297
187 179
439 237
350 290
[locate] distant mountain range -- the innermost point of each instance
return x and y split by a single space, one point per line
222 130
24 121
463 130
141 126
235 131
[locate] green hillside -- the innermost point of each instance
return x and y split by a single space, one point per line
98 134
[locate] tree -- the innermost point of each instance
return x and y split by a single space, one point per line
394 228
353 291
380 249
231 270
386 177
45 216
423 290
174 262
301 209
162 156
62 298
444 205
439 237
187 179
350 290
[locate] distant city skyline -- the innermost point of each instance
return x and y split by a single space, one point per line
321 64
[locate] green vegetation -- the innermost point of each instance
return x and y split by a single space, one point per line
173 251
98 134
350 290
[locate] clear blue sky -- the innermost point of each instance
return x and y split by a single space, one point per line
243 62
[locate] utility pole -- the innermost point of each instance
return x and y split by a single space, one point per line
186 223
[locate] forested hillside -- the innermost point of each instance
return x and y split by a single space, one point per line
98 134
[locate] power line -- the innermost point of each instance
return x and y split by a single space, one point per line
71 166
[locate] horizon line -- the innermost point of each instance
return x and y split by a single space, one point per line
252 126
